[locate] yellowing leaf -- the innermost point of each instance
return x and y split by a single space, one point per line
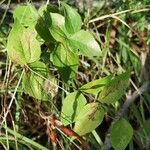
22 45
89 118
35 84
114 90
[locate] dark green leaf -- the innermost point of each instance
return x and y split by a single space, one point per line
85 43
114 90
94 87
145 130
66 62
72 105
89 118
121 134
135 62
73 20
43 24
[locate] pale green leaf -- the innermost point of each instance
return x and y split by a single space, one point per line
14 45
22 45
27 15
73 20
114 90
57 27
94 87
89 118
121 134
85 43
72 105
30 45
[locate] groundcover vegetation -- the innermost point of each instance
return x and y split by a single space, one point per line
74 75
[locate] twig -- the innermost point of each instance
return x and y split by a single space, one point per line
118 13
124 109
132 98
5 12
47 79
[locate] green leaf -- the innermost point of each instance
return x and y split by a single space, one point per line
58 20
57 27
51 26
66 61
43 24
73 20
38 83
121 134
114 90
49 8
144 130
89 118
136 62
30 45
85 43
22 45
94 87
72 105
27 15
